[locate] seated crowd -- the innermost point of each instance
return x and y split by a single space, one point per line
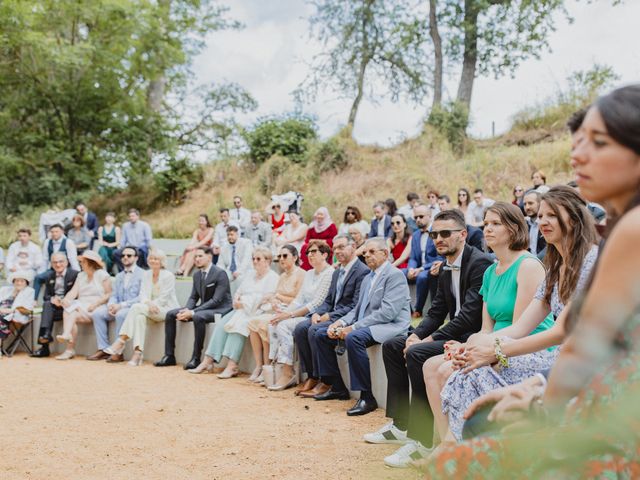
533 305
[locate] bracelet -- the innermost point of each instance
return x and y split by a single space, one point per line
503 361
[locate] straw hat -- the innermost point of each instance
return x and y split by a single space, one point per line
23 274
93 256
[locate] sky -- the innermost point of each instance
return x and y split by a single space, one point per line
269 57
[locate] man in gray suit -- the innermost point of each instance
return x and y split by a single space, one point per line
382 312
235 257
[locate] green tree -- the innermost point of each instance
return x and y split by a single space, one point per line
365 40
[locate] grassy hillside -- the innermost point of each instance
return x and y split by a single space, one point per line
372 174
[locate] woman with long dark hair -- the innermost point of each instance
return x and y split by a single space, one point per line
202 237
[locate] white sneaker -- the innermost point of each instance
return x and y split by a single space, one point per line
387 434
66 355
406 454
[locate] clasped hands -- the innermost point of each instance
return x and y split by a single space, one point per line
478 351
337 331
184 315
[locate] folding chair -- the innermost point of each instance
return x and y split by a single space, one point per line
18 330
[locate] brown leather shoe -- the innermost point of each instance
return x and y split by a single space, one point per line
116 358
309 384
319 389
99 355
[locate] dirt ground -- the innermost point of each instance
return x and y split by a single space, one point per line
88 420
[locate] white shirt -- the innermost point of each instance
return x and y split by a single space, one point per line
475 212
128 273
220 233
14 257
72 253
424 238
406 210
241 216
381 226
455 280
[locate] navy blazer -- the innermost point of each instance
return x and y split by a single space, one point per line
92 223
475 237
469 318
374 227
350 292
415 259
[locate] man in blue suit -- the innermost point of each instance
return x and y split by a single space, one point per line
383 312
381 223
423 255
126 292
90 220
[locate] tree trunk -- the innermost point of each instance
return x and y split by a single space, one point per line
358 99
364 61
470 56
437 50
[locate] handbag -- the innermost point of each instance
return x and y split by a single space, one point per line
269 375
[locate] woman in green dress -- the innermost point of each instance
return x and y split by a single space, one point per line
109 239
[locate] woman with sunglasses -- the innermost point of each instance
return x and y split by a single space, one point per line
231 331
400 242
518 197
508 287
315 288
590 397
322 228
287 289
464 199
352 217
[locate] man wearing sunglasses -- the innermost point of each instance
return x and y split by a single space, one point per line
423 254
126 292
383 312
458 297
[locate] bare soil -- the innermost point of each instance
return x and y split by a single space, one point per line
88 420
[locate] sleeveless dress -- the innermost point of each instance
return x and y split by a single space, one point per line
89 291
397 251
499 292
106 253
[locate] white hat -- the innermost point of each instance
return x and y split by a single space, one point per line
93 256
23 274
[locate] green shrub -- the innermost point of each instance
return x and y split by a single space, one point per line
177 179
451 120
327 156
285 136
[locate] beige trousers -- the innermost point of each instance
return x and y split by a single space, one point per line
135 325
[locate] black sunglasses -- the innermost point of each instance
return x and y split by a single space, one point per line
128 255
396 223
282 255
419 216
443 233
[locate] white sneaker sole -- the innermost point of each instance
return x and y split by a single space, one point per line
384 441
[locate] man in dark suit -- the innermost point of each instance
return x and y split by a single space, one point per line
341 299
381 223
210 295
460 279
423 255
90 221
537 243
58 282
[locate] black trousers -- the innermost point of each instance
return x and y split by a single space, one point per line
199 319
50 314
303 335
409 413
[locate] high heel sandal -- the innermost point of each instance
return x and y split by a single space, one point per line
113 350
228 374
276 388
203 367
256 376
136 360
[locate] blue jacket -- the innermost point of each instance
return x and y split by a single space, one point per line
415 260
131 294
475 237
374 227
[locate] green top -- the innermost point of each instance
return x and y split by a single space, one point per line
109 237
499 292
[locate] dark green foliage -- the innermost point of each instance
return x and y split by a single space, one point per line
451 120
327 156
177 179
286 136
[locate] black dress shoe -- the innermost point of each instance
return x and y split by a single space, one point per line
362 407
193 363
331 394
41 352
166 361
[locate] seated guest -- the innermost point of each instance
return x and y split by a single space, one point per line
359 237
315 288
157 297
109 236
508 286
518 197
278 219
57 284
16 302
57 242
352 217
383 311
539 179
537 243
294 233
231 331
135 233
342 297
23 254
399 243
220 232
457 297
390 207
571 237
432 197
235 257
464 199
240 215
289 285
475 238
423 255
381 222
257 231
126 292
91 289
210 296
407 210
79 234
202 237
90 221
475 212
322 228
